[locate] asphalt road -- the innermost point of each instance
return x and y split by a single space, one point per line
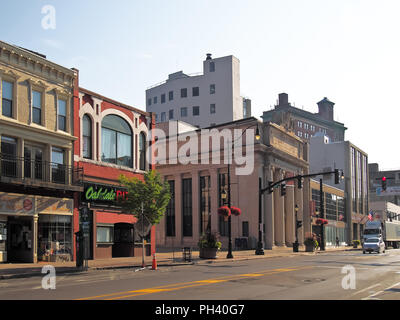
324 276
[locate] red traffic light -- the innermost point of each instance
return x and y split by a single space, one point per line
383 178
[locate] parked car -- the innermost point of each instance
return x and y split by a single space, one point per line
374 244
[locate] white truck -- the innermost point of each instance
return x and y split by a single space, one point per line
388 231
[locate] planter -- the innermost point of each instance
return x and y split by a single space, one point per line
208 253
309 247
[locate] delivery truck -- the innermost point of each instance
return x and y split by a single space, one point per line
387 230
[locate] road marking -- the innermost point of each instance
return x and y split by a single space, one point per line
179 286
382 291
373 286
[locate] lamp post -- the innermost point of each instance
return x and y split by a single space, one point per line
257 136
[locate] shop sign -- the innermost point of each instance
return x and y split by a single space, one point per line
54 205
104 194
17 204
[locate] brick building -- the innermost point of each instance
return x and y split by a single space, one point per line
112 140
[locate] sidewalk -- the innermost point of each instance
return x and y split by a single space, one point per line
23 270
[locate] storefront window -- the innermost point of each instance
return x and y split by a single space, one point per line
104 234
55 237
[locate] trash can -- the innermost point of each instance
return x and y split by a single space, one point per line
187 254
295 247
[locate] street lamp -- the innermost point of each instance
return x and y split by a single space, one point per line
257 137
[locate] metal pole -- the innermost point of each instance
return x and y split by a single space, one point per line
321 200
143 265
229 256
260 250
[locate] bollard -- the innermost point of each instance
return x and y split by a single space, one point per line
154 264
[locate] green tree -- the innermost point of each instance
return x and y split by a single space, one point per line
151 192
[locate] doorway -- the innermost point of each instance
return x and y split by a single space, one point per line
33 162
19 244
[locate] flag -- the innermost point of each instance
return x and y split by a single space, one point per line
370 215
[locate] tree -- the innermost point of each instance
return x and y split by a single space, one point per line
152 193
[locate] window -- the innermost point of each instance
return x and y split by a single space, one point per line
87 137
184 93
170 212
163 98
57 165
155 100
187 207
62 115
7 99
212 66
104 234
196 111
212 108
299 124
245 229
170 95
171 114
306 126
312 128
212 88
184 112
162 116
306 135
142 151
149 102
299 133
195 91
116 141
9 153
37 107
156 117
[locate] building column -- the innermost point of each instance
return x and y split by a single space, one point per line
195 206
214 199
34 238
289 215
279 221
178 209
305 197
268 210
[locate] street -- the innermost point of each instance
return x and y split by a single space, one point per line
322 276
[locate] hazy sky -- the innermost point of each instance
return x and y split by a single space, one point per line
348 51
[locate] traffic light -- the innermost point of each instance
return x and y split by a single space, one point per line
270 190
299 182
337 178
283 189
299 224
384 183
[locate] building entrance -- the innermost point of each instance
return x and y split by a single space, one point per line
20 242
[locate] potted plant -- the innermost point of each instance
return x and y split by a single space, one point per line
209 245
356 243
225 212
311 242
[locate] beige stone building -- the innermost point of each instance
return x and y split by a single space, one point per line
197 188
37 177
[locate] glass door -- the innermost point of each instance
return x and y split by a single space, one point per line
33 162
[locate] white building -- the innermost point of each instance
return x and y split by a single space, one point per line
327 156
202 100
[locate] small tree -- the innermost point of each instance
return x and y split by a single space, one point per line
152 193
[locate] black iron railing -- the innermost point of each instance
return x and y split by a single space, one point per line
40 171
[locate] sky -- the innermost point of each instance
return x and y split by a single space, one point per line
345 50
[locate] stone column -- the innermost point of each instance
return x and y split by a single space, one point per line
178 210
214 199
289 215
195 206
279 221
268 213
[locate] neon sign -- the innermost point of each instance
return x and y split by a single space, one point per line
103 194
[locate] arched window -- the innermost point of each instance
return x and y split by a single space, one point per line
87 137
116 141
142 151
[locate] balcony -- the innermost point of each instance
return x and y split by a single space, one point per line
28 172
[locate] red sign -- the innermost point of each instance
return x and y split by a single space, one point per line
27 204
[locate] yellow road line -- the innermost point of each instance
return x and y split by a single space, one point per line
179 286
